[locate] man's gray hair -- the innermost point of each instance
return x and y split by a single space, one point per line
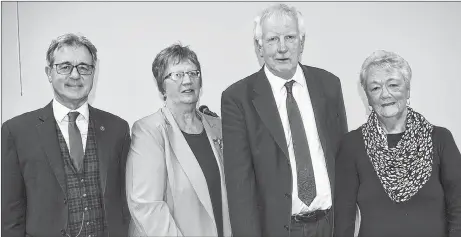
70 39
385 60
278 10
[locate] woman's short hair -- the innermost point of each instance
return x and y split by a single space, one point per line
70 39
385 60
278 10
172 55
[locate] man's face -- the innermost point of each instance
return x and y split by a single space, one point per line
281 45
71 90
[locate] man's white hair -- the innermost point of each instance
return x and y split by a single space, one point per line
279 10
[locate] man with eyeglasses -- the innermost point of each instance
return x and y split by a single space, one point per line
63 166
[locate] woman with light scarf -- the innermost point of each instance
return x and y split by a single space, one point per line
403 172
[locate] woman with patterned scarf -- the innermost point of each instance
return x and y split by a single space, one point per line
403 172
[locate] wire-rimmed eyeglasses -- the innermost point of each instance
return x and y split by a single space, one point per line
67 68
175 76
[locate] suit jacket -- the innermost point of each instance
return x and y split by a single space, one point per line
256 161
33 178
166 190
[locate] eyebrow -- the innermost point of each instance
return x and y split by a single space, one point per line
375 82
82 63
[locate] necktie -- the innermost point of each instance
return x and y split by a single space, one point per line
75 141
306 179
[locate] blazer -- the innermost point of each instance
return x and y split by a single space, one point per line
256 161
33 178
166 190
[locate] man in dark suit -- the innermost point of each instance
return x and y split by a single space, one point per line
281 128
63 166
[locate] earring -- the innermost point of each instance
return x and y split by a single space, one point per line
408 102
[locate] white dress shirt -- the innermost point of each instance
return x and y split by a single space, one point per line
323 199
60 114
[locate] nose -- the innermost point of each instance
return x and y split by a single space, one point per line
186 79
385 92
74 73
282 47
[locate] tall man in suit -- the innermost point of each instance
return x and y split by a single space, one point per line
63 166
281 128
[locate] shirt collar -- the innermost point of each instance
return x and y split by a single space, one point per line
278 83
60 111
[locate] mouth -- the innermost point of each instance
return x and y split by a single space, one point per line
388 104
282 60
73 86
187 91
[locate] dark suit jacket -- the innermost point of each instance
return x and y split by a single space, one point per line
256 161
33 178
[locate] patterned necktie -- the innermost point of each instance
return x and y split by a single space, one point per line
306 179
75 141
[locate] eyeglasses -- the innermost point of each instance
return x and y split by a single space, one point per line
175 76
66 68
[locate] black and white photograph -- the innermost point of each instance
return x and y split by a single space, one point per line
244 119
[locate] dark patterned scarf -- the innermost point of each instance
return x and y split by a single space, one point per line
403 169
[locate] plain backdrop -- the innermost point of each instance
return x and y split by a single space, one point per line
128 35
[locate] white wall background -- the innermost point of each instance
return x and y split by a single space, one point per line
340 35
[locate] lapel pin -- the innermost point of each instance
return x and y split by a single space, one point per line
102 128
218 141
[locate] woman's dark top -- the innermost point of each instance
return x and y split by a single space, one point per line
434 211
200 146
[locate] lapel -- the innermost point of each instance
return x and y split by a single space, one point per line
46 129
103 139
215 138
188 162
317 96
315 88
265 105
214 132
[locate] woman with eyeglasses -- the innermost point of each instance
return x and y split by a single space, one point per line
174 175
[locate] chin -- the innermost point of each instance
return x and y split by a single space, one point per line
74 96
186 101
390 113
284 68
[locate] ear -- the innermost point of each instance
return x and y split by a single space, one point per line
258 48
303 38
200 93
48 73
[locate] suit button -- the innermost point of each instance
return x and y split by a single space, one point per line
63 232
287 195
286 227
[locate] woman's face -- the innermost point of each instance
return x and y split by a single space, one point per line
185 90
387 92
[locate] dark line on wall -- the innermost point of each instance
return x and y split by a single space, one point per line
19 47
